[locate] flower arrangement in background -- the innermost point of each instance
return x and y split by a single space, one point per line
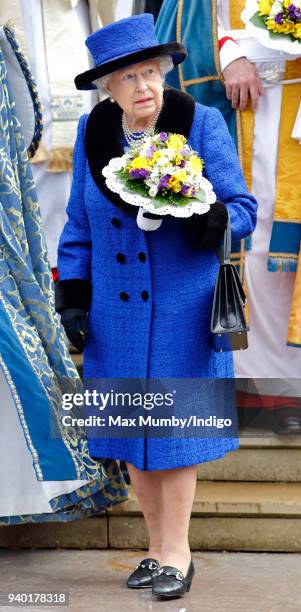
164 173
280 19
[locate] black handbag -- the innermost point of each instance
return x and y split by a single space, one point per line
228 322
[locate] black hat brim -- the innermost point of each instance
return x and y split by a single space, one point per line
176 50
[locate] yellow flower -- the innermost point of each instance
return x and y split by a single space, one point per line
175 184
287 3
181 175
297 32
157 155
177 159
286 28
176 142
280 28
196 164
140 162
264 7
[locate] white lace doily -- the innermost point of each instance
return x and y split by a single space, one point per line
283 43
117 186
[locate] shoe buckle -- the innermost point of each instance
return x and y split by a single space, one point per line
179 576
152 565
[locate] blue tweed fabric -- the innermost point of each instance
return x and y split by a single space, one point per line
116 39
166 335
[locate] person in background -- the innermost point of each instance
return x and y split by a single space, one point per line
147 6
233 72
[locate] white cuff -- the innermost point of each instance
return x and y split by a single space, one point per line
229 52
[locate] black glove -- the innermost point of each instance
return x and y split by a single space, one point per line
207 231
75 322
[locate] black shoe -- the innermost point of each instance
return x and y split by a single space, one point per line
170 582
142 576
287 420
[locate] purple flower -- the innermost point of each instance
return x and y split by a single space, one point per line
185 189
150 151
294 12
139 173
163 136
279 18
183 163
163 183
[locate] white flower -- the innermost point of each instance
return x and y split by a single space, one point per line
153 191
163 161
276 8
169 153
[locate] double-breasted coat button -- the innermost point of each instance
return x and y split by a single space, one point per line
142 257
144 295
124 296
120 257
116 222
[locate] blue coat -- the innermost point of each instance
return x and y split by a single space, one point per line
151 291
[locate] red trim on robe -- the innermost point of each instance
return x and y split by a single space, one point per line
223 40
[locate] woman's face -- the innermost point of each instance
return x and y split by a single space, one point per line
138 89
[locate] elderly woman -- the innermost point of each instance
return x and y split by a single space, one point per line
148 293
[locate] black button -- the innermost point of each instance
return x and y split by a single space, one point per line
116 222
142 256
145 295
120 257
124 296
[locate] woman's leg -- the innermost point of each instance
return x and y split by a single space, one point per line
148 488
178 490
166 498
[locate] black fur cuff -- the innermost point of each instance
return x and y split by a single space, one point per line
72 293
207 231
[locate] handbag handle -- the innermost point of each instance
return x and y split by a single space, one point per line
224 256
224 252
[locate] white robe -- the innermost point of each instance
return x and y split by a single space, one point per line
53 188
270 293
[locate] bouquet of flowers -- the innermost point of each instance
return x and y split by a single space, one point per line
163 176
275 23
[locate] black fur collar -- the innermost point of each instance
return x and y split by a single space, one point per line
103 134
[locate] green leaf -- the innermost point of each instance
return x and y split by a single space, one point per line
136 186
276 35
258 20
200 196
122 175
160 201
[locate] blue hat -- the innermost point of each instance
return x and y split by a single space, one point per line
125 42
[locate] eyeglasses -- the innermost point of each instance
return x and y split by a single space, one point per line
130 79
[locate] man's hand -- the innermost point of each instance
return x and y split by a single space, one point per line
242 81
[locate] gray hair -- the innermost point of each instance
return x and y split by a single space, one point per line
165 65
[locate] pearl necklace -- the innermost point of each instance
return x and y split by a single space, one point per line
137 140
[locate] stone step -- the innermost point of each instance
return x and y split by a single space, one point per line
225 516
264 438
268 464
217 533
268 499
